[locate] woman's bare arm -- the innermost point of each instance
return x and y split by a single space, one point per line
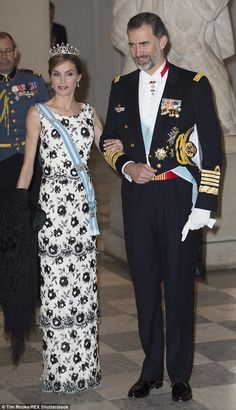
33 128
111 144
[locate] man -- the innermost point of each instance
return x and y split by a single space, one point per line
205 52
19 89
157 111
58 32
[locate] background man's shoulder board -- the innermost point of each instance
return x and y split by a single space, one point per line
198 77
116 79
27 70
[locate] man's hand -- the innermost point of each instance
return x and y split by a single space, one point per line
113 145
140 173
196 220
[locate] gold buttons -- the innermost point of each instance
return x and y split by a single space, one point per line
150 155
126 126
15 129
14 120
158 165
12 111
11 102
132 145
17 138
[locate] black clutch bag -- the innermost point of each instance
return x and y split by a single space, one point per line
38 219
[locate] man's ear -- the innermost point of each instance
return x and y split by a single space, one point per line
16 53
163 42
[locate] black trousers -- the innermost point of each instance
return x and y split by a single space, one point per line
154 215
9 173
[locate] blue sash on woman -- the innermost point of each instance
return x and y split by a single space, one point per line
78 164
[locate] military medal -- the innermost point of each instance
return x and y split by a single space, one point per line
160 154
24 90
170 107
119 108
153 87
172 135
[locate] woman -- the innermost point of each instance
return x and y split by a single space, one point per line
67 241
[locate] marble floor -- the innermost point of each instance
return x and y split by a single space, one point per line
214 374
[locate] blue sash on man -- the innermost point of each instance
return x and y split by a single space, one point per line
181 171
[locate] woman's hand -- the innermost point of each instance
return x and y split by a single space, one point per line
113 145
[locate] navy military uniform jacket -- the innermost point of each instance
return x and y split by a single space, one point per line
186 100
18 91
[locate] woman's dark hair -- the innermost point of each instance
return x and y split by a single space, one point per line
62 58
150 19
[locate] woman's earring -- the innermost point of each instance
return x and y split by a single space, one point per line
77 85
52 86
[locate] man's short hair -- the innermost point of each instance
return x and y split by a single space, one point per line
150 19
4 34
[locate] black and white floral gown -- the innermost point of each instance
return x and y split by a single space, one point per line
69 311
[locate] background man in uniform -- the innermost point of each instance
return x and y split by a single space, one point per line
157 111
19 89
58 31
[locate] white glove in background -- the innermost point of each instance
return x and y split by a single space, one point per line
196 220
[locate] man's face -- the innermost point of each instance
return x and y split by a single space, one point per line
146 49
7 55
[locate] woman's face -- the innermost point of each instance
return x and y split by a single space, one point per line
64 78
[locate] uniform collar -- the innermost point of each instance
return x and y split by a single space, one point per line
9 76
157 76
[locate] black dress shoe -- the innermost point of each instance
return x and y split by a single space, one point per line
142 389
181 392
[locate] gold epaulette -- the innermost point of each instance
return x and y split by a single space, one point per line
198 77
111 157
27 70
116 79
210 181
37 73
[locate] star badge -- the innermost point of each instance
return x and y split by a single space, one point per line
119 109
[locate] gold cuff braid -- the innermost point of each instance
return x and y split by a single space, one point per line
111 157
210 181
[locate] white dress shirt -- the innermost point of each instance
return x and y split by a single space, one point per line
149 101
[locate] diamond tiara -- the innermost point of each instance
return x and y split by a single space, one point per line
63 49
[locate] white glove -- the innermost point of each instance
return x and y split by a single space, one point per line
196 220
